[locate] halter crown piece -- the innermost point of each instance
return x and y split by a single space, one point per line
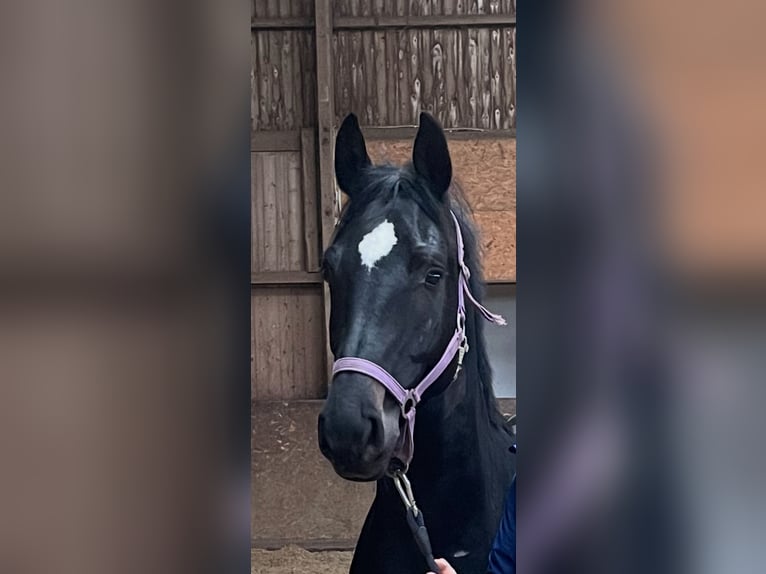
458 345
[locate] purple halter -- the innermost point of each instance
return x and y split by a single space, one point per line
409 398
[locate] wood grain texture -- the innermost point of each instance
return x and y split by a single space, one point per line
312 244
281 9
462 76
486 172
279 229
421 7
283 80
325 89
288 343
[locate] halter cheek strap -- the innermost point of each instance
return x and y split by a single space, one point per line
408 399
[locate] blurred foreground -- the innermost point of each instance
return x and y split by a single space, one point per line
642 288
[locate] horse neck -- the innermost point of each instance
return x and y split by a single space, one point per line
454 433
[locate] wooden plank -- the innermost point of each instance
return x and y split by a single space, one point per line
263 77
288 342
290 81
290 23
403 69
284 71
495 55
256 178
278 234
325 126
255 87
425 41
277 110
357 83
407 132
369 78
381 70
342 74
453 81
295 233
310 210
269 206
308 73
415 84
289 140
437 93
392 79
285 384
267 278
325 117
298 45
483 51
472 118
422 8
430 22
280 245
509 79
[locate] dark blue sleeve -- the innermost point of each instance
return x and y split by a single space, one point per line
502 558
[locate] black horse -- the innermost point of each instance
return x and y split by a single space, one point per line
393 274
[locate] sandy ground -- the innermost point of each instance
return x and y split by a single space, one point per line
294 560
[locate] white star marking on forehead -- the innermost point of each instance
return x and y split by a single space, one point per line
377 244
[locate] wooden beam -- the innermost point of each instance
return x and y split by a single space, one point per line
297 23
285 278
430 22
275 141
325 129
408 132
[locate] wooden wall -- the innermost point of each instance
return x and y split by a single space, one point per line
463 76
385 60
288 352
283 80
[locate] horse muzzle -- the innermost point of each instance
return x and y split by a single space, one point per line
353 431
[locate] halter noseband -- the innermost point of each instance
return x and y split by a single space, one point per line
408 399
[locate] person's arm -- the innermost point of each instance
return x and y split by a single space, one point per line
502 558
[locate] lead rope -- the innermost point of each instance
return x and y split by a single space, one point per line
415 519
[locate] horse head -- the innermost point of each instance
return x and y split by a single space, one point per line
393 280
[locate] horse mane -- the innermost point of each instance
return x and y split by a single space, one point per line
475 322
390 181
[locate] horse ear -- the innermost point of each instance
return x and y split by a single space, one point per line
350 155
430 155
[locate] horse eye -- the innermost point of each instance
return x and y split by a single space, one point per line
433 277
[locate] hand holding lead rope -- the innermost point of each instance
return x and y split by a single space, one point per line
415 519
